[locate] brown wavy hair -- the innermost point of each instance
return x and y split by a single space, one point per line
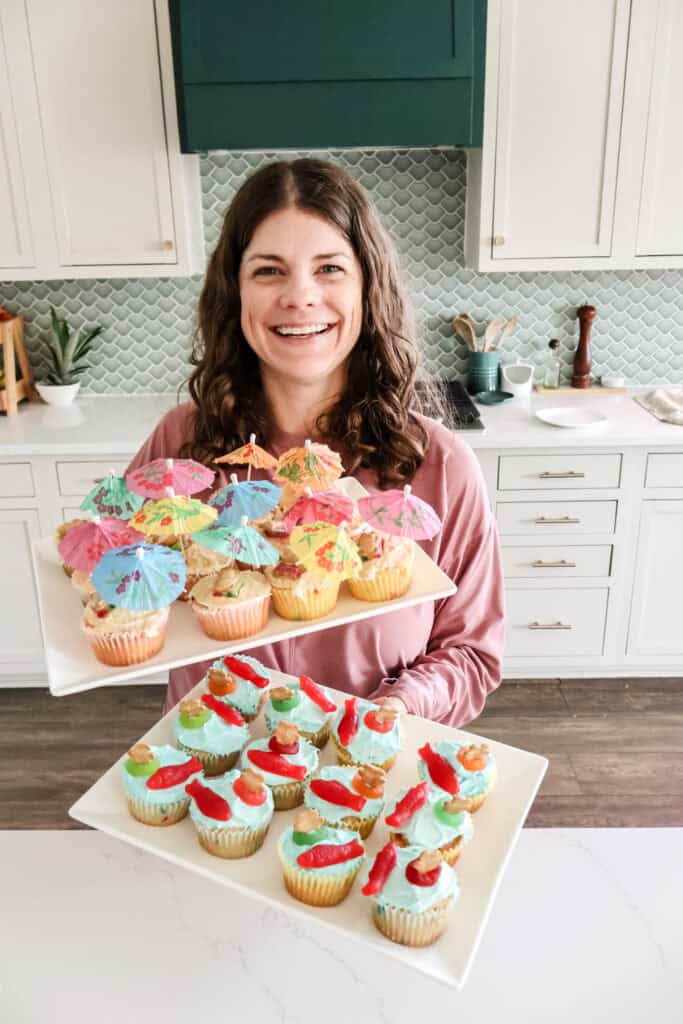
375 422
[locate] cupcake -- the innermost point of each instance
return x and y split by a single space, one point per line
430 819
231 604
298 593
304 703
211 731
386 566
467 771
60 534
121 636
83 583
240 683
286 761
412 891
200 562
319 863
231 813
154 779
365 733
274 529
347 797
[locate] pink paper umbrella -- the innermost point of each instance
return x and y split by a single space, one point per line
320 506
84 545
185 476
400 513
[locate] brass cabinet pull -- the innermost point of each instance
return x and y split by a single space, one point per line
498 240
562 564
167 245
549 625
570 474
557 519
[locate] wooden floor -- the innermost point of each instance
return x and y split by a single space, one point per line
615 748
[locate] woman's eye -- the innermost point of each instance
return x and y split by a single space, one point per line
330 268
266 271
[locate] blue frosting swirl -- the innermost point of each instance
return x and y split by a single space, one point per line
471 783
290 850
214 737
307 715
246 696
334 812
307 755
425 830
136 785
242 815
397 891
368 746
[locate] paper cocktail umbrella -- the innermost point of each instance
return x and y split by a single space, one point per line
142 577
185 476
238 541
173 515
251 498
112 497
326 550
315 466
320 506
252 454
84 545
400 513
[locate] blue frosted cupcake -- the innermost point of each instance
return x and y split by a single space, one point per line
240 683
412 892
430 819
285 760
319 863
154 778
347 797
306 704
212 732
464 770
231 814
365 733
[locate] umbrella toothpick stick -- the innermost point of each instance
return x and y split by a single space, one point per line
252 440
171 494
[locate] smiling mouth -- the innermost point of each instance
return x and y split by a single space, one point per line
301 330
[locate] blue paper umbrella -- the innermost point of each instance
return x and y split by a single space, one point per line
142 577
251 498
238 541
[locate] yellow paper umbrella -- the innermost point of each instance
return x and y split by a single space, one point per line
173 515
252 454
325 550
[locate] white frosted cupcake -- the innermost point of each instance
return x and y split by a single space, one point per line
299 594
386 566
285 760
120 636
200 562
231 604
212 732
231 813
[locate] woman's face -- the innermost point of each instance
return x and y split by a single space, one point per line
301 288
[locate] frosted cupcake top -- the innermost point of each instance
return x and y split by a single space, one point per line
379 551
205 724
201 561
158 774
310 845
239 682
369 733
428 818
100 617
472 765
288 574
229 587
333 794
233 800
281 758
409 878
303 702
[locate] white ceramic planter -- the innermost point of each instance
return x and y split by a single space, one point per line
58 394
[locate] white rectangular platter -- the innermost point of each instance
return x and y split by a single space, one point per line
72 667
479 869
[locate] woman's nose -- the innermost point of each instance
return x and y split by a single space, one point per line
299 290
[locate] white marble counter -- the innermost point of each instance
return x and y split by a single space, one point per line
586 928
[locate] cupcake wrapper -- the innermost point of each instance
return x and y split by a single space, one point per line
363 826
231 843
449 851
236 622
343 757
213 764
255 714
408 928
158 814
385 586
312 605
316 890
288 795
127 648
319 738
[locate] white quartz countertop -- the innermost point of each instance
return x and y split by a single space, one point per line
586 927
117 425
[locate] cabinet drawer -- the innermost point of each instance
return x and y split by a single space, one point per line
570 471
16 480
558 561
77 478
541 518
554 623
664 470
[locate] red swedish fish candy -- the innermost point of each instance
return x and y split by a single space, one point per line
313 691
325 854
208 802
245 671
385 862
415 798
282 748
440 771
230 716
336 793
276 765
348 727
424 878
173 774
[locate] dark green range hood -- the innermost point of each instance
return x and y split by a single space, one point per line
315 74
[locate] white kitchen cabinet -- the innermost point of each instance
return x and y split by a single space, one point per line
110 194
21 643
655 625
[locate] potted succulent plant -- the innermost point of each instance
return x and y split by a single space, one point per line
68 350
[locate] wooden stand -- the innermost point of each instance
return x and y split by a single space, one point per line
12 341
582 357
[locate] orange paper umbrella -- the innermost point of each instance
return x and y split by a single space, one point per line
252 454
315 466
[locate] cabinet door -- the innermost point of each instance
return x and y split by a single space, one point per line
655 627
560 93
16 243
21 644
99 90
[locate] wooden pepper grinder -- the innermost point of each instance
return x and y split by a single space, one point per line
582 357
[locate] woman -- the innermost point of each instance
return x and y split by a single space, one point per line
301 333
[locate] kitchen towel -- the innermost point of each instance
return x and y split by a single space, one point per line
665 405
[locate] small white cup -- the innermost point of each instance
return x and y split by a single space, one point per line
517 378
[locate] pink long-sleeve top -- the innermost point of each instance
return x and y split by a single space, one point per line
441 658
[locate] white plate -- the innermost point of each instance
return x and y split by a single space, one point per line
72 667
479 869
570 416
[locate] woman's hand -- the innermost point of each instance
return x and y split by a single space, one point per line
393 703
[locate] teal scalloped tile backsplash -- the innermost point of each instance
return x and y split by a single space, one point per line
421 195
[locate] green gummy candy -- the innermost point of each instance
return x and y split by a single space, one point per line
286 705
148 768
196 721
308 838
444 816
